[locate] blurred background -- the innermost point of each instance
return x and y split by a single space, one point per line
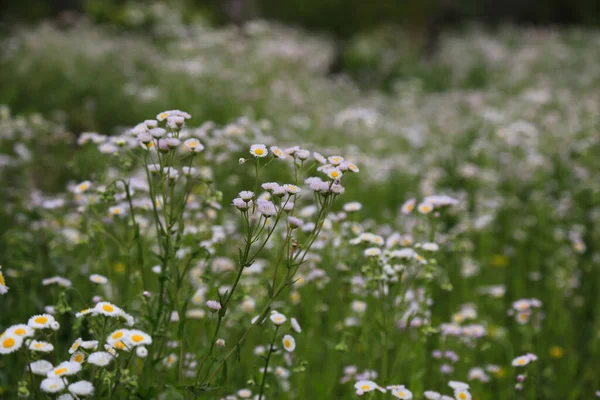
377 43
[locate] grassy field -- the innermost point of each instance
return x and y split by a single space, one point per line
431 224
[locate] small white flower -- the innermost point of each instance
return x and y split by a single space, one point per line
40 367
141 352
295 325
277 152
246 195
259 150
52 385
100 358
213 305
65 368
194 145
289 343
81 388
40 346
278 318
41 321
99 279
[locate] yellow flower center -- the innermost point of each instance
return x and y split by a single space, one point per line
402 394
117 335
137 338
150 145
287 343
521 361
2 281
192 144
334 174
78 358
119 345
259 151
8 343
20 331
60 371
365 387
37 346
163 115
278 152
462 396
108 308
41 320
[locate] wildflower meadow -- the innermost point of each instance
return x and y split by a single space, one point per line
206 212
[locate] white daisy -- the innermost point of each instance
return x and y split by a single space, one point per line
289 343
65 368
278 318
41 321
40 367
100 358
81 388
52 385
99 279
259 150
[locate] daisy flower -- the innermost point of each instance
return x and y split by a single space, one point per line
244 393
81 388
194 145
138 338
170 360
320 159
75 346
462 394
141 352
65 368
99 279
213 305
335 160
82 187
117 336
277 152
295 325
100 358
52 385
10 343
373 252
289 343
20 330
292 189
40 367
425 208
108 309
521 361
457 385
334 173
365 386
246 195
41 321
259 150
3 287
277 318
401 392
41 346
408 206
78 357
89 344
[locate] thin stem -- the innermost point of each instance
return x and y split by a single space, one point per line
264 378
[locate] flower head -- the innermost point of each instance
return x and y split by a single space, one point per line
289 343
259 150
